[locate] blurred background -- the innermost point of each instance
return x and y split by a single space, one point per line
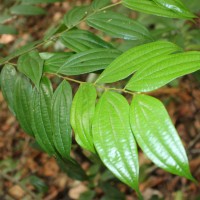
28 173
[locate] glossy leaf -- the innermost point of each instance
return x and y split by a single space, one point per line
7 79
150 7
74 16
25 9
61 105
53 63
118 25
97 4
22 103
31 65
82 114
114 140
159 72
41 116
82 40
157 136
88 61
133 60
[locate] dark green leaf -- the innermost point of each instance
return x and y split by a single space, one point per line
82 114
133 59
118 26
38 183
82 40
24 9
31 65
61 105
53 63
41 116
8 78
23 102
88 61
97 4
113 138
88 195
150 7
157 136
160 71
74 16
7 29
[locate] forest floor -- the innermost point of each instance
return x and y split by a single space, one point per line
28 173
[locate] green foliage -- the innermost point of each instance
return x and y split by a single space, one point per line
102 120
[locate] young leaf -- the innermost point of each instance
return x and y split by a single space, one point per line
156 135
7 80
74 16
61 105
97 4
150 7
24 9
133 59
22 103
118 26
41 116
82 40
82 113
114 140
161 71
53 63
31 65
88 61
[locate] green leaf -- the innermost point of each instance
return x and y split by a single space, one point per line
97 4
24 9
41 116
88 195
150 7
118 26
113 138
53 63
74 16
88 61
133 59
7 80
20 51
82 40
61 105
31 65
4 18
40 1
82 113
157 136
7 29
23 103
160 71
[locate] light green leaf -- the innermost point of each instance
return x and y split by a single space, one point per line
41 116
97 4
157 136
61 105
40 1
24 9
53 63
133 60
88 61
158 72
74 16
150 7
7 80
26 48
114 140
118 26
7 29
82 113
82 40
31 65
23 102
